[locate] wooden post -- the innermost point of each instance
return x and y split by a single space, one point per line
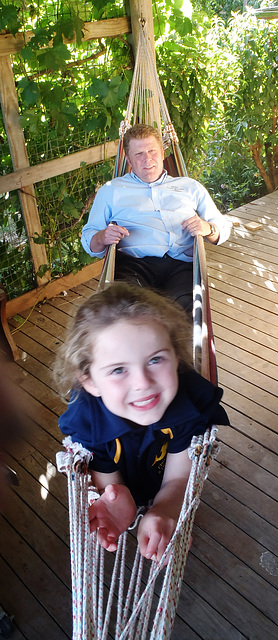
20 160
142 9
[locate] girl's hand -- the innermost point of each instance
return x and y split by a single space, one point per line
154 533
111 514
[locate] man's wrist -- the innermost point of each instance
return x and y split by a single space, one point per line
213 230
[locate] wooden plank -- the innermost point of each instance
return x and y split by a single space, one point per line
252 450
111 27
19 157
258 260
242 334
244 492
260 396
249 366
240 613
37 334
32 621
246 550
30 299
251 300
39 579
262 479
31 175
248 407
203 619
258 594
53 551
242 516
257 433
50 510
231 277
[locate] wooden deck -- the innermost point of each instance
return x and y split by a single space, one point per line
230 584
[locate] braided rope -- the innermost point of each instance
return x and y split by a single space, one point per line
88 578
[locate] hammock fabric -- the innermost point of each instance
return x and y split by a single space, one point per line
122 595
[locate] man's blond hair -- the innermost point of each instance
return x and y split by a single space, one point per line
139 132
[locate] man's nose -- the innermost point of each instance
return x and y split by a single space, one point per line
147 155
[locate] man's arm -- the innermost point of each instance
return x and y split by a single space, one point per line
110 235
157 526
208 221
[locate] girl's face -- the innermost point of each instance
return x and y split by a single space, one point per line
134 370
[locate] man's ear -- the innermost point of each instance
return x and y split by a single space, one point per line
128 160
89 386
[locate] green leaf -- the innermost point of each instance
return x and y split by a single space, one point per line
42 270
30 93
37 239
9 18
98 88
54 58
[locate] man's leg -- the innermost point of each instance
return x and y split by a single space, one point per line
145 272
179 284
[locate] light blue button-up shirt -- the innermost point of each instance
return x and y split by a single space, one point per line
153 213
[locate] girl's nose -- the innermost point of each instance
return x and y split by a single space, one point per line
141 379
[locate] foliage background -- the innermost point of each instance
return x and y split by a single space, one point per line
221 95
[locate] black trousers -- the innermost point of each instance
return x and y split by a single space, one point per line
167 275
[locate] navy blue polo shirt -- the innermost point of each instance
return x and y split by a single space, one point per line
139 452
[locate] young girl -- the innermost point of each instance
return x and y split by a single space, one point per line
136 403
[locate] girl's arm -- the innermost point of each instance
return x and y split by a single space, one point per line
157 526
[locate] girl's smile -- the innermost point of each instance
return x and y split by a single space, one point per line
134 370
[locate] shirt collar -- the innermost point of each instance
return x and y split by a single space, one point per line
150 184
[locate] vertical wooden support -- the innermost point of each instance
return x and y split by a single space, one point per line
6 340
20 160
142 9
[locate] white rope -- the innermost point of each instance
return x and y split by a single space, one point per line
146 100
134 608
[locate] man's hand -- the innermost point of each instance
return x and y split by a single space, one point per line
197 226
110 235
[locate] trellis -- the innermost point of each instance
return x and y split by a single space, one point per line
24 177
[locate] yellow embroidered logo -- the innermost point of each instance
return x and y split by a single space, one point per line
162 454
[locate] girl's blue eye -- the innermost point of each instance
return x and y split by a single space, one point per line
118 371
155 360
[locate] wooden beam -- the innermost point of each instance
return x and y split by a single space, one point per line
53 288
267 13
31 175
142 9
20 160
112 27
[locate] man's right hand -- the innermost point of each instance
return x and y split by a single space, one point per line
111 235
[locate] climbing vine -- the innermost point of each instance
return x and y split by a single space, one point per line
221 93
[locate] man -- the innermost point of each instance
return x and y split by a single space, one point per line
157 217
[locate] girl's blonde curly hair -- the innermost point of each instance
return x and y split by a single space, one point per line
120 301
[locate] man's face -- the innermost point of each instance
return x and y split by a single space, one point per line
145 158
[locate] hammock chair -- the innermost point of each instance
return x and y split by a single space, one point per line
121 595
